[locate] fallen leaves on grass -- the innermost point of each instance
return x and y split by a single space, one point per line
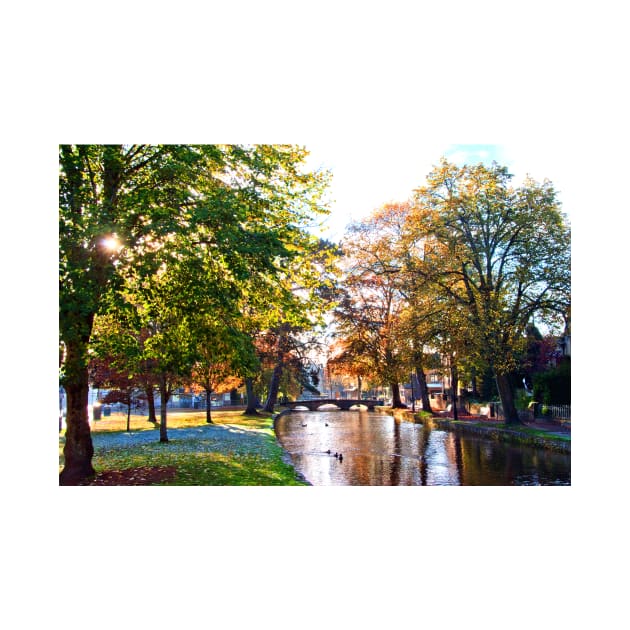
140 476
238 452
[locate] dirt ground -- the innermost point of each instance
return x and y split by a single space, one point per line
142 476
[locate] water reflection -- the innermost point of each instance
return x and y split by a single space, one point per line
379 451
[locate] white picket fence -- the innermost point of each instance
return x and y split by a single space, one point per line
553 412
540 412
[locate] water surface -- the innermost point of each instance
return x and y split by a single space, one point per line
380 451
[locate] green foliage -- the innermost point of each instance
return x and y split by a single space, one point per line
423 416
499 252
553 387
163 237
522 399
227 218
488 386
493 256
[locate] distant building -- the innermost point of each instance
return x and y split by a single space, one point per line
564 345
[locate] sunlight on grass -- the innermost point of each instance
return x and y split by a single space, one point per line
176 419
203 469
241 451
533 432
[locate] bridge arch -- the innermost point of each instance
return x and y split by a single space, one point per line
340 403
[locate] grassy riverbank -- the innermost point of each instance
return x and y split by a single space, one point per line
235 450
554 438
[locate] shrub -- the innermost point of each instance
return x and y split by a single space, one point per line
553 387
522 399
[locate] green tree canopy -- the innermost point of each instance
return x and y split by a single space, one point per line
498 253
129 211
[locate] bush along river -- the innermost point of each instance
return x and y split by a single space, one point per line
361 448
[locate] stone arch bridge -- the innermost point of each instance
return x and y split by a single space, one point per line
340 403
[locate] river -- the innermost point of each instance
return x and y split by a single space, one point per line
378 450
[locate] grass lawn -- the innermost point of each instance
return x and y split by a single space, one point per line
522 430
235 450
531 431
178 419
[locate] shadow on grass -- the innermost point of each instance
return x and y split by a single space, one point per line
211 454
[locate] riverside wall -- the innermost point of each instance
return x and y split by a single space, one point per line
483 429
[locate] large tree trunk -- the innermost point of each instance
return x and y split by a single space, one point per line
163 401
78 449
473 378
251 398
76 324
151 403
488 385
507 399
454 387
129 414
209 406
360 386
397 403
274 386
424 390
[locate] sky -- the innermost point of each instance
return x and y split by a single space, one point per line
366 177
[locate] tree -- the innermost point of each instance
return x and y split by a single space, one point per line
117 351
222 353
121 209
348 358
150 335
148 383
304 293
368 316
416 326
540 353
501 254
287 355
553 386
121 384
171 351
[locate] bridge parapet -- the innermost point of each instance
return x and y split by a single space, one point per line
340 403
